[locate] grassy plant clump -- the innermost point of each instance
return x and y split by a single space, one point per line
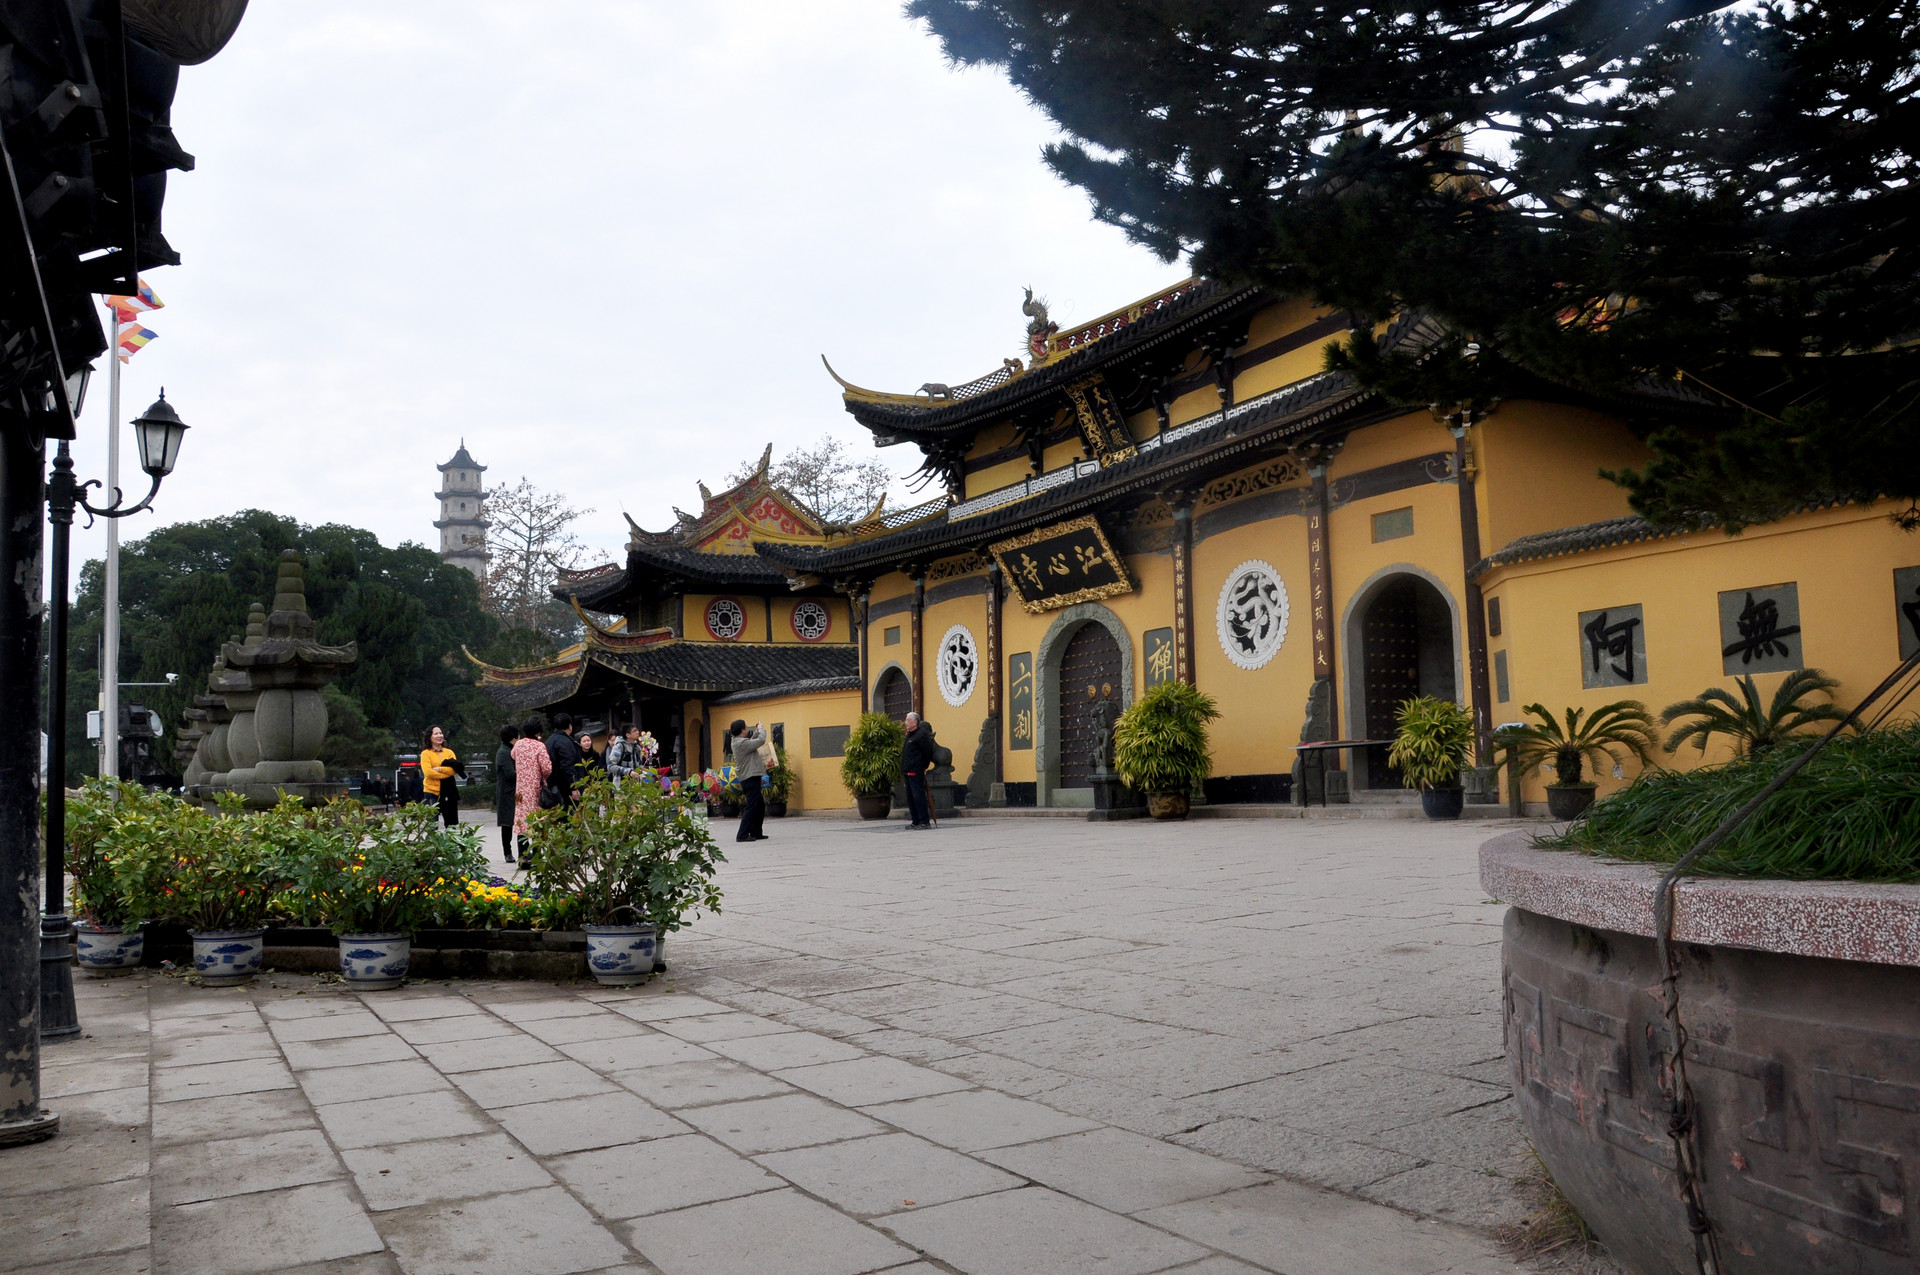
1852 815
1434 739
1160 743
872 763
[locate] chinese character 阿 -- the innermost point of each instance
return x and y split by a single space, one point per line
1760 632
1089 558
1160 661
1611 642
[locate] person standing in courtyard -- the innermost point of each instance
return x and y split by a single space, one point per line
505 789
916 755
437 776
750 772
563 757
531 766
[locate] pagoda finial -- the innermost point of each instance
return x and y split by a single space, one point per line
704 493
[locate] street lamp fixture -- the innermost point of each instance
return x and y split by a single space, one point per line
159 431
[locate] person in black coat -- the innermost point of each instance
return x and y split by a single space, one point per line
503 785
916 758
565 755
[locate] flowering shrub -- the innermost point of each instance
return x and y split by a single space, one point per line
625 851
381 876
114 889
495 904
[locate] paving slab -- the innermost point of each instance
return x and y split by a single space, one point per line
776 1231
202 1119
657 1177
1034 1231
628 1052
1122 1171
434 1031
488 1053
375 1080
978 1119
220 1080
264 1231
189 1173
867 1080
347 1051
780 1123
592 1120
64 1225
699 1083
411 1173
712 1027
542 1232
413 1117
538 1082
887 1173
785 1049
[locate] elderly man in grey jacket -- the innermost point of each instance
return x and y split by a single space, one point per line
750 772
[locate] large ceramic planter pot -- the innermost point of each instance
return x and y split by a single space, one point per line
729 810
375 962
1167 805
1444 803
227 958
875 807
102 952
1801 1004
620 955
776 810
1568 801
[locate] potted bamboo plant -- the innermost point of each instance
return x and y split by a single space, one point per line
374 881
871 766
1614 731
1160 746
1430 749
637 861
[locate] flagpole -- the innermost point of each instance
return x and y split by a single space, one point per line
110 636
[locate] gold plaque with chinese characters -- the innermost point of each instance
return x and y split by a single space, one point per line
1060 565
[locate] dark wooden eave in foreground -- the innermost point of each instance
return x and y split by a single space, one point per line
681 668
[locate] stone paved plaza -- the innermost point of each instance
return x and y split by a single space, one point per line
1007 1046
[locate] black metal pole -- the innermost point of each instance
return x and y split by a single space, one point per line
59 1015
22 491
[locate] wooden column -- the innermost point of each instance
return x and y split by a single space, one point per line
995 710
857 604
1182 504
1320 588
919 612
1463 466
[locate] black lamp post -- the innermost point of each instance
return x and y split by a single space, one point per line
158 431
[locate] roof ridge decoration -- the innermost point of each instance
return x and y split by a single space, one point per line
561 663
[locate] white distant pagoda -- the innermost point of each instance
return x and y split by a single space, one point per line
463 521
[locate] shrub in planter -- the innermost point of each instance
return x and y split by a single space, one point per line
871 766
222 875
375 881
637 862
117 886
1430 749
1613 731
779 785
1160 746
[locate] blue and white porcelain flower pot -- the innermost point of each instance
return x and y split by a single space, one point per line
375 962
101 951
620 955
227 958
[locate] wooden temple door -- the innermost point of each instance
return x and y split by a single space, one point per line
1089 673
895 695
1390 652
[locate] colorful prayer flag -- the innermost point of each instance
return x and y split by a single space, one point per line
126 308
133 340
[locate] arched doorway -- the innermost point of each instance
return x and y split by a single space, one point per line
1089 673
894 695
1406 648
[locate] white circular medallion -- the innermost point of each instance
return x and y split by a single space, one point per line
725 618
810 621
958 665
1252 616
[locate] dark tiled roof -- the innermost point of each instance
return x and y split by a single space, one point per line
1205 302
710 667
462 459
849 683
1607 534
1247 427
606 588
534 692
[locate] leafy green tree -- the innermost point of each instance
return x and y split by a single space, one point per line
186 588
1596 190
1751 727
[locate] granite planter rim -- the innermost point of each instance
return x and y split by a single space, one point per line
1835 920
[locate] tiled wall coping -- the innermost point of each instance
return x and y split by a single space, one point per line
1839 920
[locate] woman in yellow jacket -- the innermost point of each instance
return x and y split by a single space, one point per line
435 768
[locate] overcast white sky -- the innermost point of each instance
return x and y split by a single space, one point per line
606 243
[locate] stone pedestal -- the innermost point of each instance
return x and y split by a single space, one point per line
1113 800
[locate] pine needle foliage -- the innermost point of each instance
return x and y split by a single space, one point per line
871 766
1752 729
1852 815
1160 742
1433 741
1614 731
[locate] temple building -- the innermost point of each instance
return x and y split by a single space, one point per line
1178 489
463 513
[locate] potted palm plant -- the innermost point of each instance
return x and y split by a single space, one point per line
1431 749
1751 728
637 861
1160 746
374 881
1614 731
871 766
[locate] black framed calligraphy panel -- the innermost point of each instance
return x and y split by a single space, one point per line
1061 565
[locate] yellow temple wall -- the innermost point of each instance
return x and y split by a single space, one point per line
1842 561
1539 469
839 622
817 783
957 728
1261 709
754 606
